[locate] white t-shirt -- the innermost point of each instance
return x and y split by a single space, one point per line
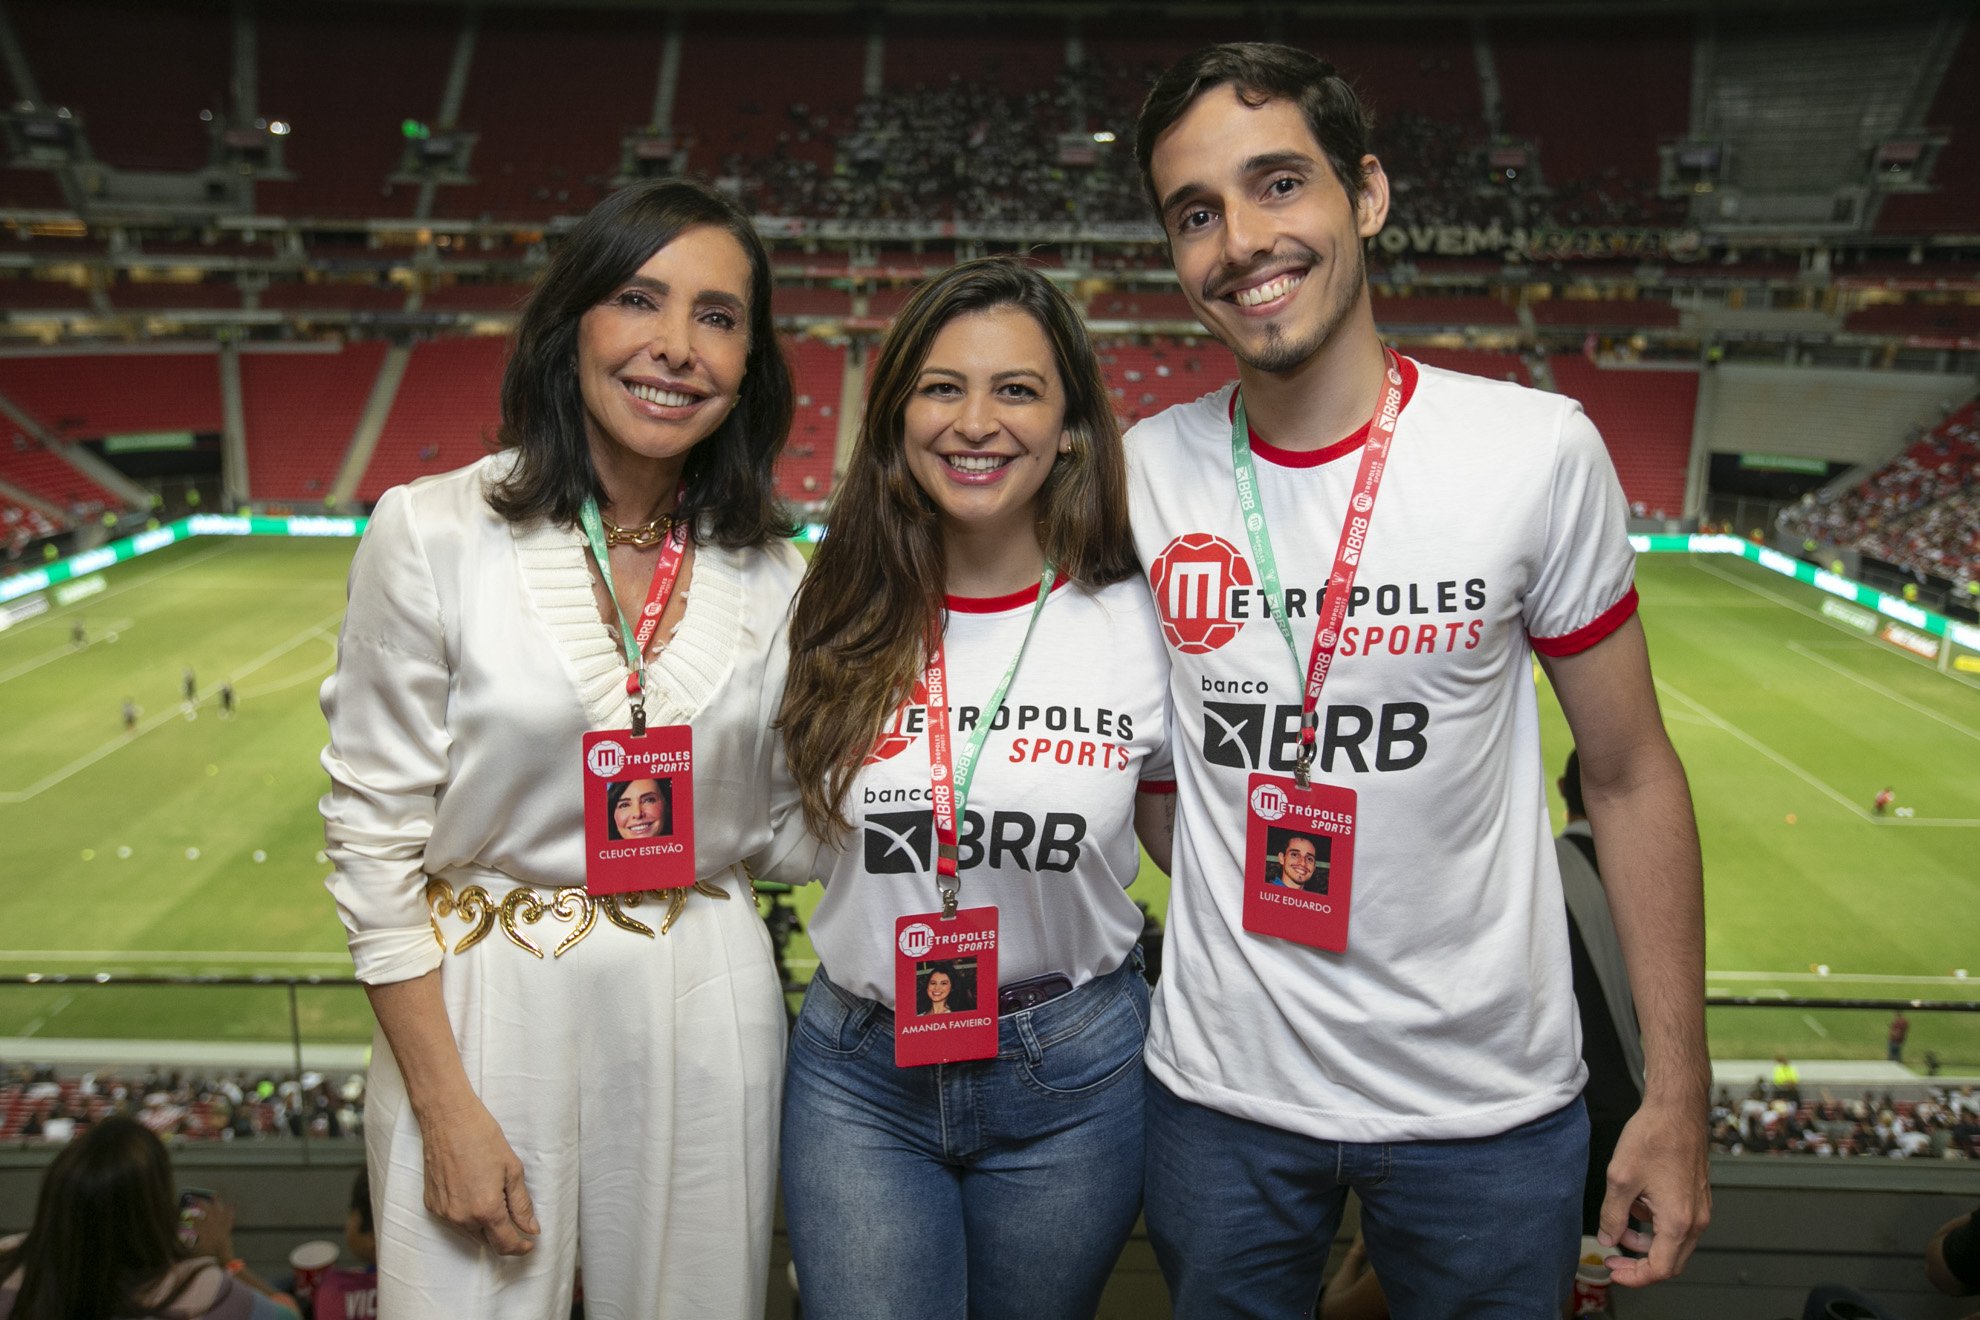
1048 831
1499 525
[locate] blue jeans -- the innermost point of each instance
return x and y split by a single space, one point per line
1242 1215
1000 1187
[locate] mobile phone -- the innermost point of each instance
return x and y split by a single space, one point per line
194 1205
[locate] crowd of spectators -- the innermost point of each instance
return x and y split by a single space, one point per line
966 150
1780 1121
1920 511
38 1105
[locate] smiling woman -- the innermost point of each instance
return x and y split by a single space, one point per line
488 673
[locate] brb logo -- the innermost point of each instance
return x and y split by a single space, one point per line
1193 578
904 728
1269 802
606 759
917 939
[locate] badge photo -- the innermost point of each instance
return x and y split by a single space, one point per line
945 987
1298 861
638 810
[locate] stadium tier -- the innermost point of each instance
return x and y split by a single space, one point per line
216 294
1947 320
504 298
24 463
812 300
142 112
301 409
1625 315
87 396
1442 312
1645 418
1143 379
26 293
445 414
818 61
1475 362
332 296
1955 203
818 369
21 525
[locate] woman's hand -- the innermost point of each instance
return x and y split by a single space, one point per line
213 1231
475 1182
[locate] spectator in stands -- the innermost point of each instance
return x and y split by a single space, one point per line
617 1098
985 507
347 1291
105 1242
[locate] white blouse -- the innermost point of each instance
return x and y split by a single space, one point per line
472 660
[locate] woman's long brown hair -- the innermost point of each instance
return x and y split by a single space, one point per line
873 590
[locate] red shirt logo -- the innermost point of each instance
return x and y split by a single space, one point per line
896 737
1193 577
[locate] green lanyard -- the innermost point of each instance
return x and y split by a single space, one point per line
949 787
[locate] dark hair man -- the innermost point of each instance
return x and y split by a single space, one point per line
1429 1038
1297 859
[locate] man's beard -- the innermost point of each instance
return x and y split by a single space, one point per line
1278 354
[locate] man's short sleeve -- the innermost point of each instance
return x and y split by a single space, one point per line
1585 588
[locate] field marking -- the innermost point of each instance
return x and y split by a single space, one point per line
55 653
1815 1026
1882 691
309 675
1835 795
1824 619
164 717
42 1021
1727 726
1895 978
218 956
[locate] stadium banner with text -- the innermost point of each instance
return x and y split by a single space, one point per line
157 538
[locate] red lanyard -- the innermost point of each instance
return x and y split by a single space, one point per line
673 552
949 777
1347 553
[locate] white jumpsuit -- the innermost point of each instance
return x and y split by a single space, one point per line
636 1076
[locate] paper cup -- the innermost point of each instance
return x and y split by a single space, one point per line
311 1261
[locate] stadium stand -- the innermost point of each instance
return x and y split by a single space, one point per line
1955 202
504 297
25 293
1424 66
818 61
1951 320
300 409
1945 1125
346 141
811 301
445 415
24 463
101 62
1645 418
84 396
1013 57
213 294
1442 311
1920 511
31 190
1603 314
1143 379
818 373
1141 305
332 296
590 78
39 1105
1601 168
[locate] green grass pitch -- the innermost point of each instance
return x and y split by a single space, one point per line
191 845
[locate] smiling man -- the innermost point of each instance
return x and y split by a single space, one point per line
1355 558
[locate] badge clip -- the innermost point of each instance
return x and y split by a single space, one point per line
638 701
948 905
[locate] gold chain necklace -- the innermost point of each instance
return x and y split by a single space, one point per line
644 537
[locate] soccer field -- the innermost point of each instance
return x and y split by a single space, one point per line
190 845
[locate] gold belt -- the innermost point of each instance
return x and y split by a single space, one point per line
527 905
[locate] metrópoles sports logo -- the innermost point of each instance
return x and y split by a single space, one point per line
1193 577
904 728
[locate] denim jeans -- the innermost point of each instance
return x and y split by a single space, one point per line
996 1188
1241 1215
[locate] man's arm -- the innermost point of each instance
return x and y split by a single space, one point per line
1639 808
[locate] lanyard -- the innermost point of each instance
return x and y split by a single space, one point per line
1347 554
673 550
949 780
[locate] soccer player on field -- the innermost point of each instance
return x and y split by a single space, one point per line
1413 1033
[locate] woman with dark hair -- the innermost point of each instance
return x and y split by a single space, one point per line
617 576
978 578
639 809
105 1243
